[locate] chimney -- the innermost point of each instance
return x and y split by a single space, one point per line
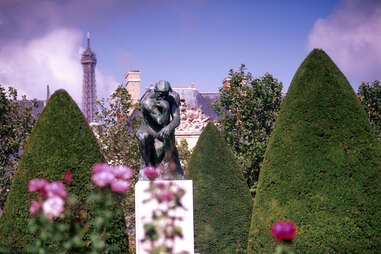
132 83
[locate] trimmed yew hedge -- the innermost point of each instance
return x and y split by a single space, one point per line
222 202
61 141
322 168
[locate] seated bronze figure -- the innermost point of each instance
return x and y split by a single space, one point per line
156 135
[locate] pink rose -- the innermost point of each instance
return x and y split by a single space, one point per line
55 189
151 172
165 196
69 176
103 178
36 184
120 185
161 186
53 206
100 167
283 230
34 207
122 171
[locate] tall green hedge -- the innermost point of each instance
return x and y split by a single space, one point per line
222 202
61 141
322 168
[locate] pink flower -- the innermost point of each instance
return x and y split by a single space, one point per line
166 196
116 176
151 172
283 230
53 206
122 171
34 207
69 176
36 184
55 189
100 167
120 185
161 186
103 178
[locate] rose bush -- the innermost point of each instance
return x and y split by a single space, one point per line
58 227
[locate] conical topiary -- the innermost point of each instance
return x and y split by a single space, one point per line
321 169
61 141
222 202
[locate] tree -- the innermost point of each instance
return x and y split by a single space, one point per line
61 141
116 135
248 108
322 168
222 202
116 132
370 97
16 122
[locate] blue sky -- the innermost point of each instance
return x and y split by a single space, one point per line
184 42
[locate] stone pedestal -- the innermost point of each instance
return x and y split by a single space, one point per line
144 210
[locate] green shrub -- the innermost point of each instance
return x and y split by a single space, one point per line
222 202
61 141
321 168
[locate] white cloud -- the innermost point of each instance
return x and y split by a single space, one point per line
351 36
106 84
52 59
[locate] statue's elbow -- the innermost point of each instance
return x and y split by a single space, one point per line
177 122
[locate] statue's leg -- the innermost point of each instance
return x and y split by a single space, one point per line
159 150
146 148
176 160
172 156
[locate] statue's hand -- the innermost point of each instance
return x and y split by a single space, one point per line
165 132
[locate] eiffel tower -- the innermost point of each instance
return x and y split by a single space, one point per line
89 94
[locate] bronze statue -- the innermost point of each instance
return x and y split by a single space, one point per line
156 135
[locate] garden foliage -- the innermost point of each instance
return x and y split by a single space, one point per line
322 168
370 97
117 132
222 202
16 122
248 108
61 141
119 145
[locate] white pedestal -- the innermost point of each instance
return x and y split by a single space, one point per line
143 214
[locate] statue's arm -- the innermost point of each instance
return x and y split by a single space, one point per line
150 109
175 112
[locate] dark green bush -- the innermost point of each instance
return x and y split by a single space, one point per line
321 168
222 202
61 141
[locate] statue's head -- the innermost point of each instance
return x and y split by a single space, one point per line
162 89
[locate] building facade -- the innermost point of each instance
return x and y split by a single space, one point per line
196 112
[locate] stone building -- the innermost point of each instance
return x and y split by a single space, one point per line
195 113
36 106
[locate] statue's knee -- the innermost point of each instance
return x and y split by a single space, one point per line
142 136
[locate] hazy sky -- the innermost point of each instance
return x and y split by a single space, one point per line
184 42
